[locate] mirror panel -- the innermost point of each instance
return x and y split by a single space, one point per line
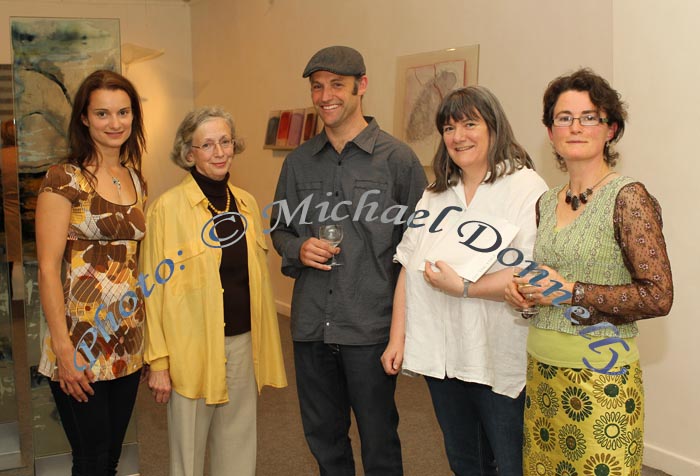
10 264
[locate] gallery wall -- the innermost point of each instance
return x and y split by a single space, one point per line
254 63
652 67
164 83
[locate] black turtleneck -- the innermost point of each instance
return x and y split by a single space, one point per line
234 259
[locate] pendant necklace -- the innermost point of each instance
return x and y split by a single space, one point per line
576 200
116 182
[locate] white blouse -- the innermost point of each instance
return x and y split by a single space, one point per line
474 340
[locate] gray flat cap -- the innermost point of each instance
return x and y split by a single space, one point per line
341 60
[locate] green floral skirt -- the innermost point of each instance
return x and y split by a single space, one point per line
583 423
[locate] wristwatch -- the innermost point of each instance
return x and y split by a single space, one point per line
465 290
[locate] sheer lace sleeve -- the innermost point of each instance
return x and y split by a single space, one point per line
637 221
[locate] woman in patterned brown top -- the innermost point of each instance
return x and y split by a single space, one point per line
602 233
90 219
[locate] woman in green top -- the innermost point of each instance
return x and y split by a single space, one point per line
600 236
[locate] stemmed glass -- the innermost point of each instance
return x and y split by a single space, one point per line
527 312
333 235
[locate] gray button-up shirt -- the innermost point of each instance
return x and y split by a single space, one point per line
371 188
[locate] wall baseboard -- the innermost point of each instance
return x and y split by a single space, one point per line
284 308
671 463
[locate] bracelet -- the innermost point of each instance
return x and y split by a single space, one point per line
465 290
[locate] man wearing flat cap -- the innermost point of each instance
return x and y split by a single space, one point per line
363 179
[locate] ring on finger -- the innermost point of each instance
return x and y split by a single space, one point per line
529 296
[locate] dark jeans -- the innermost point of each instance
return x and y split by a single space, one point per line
468 412
332 379
96 428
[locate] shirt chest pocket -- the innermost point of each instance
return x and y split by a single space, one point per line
310 197
188 264
370 199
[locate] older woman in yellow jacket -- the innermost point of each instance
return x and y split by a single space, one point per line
211 326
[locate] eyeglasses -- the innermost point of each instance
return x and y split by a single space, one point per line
589 120
209 147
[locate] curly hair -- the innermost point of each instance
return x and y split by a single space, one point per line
505 154
602 95
183 137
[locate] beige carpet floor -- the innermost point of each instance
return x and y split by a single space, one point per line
282 450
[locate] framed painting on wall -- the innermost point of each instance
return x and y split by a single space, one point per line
422 81
50 58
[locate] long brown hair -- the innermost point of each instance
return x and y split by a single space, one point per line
82 147
505 155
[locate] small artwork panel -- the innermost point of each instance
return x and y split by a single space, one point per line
309 129
273 123
51 57
295 128
423 80
286 130
283 130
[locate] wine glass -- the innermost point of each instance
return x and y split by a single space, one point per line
526 312
333 235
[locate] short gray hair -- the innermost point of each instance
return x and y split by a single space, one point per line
183 137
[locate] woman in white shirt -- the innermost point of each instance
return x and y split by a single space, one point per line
461 336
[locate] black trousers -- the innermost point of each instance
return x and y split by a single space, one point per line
331 380
96 428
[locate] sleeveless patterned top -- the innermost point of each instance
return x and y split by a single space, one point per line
585 250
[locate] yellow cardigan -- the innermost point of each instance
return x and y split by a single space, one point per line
185 314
